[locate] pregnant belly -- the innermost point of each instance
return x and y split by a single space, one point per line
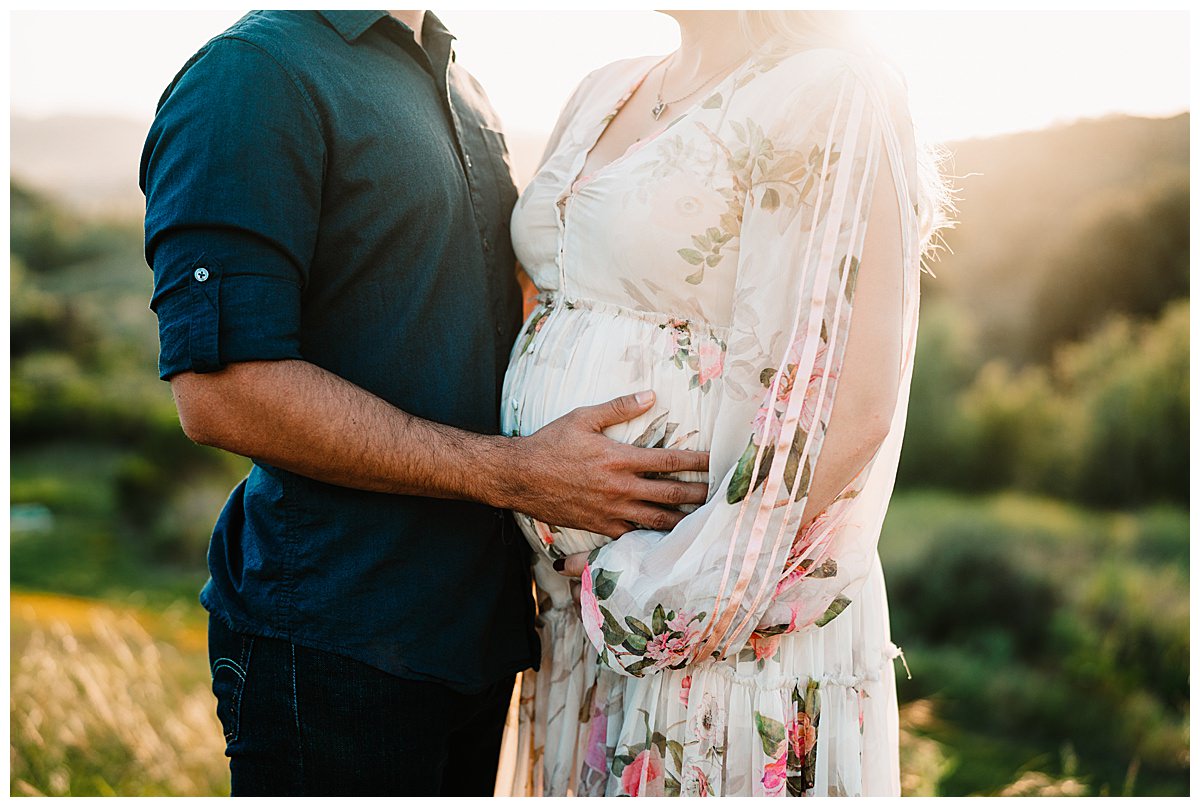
571 357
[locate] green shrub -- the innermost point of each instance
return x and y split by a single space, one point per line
1106 425
141 488
1139 627
943 366
1130 385
45 237
970 589
1102 665
1010 430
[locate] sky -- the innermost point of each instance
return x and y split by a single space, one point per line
970 73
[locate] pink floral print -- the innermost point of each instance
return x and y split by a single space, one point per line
644 776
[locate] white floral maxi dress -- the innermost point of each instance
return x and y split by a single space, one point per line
715 263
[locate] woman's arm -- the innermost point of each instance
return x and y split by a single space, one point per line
870 372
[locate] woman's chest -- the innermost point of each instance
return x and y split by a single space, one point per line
654 229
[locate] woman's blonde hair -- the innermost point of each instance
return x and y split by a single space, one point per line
808 29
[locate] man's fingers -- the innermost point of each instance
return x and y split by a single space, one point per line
615 529
571 565
619 410
668 491
655 518
667 460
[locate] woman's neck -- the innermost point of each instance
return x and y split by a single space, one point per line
708 41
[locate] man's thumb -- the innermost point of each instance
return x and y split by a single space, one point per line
619 410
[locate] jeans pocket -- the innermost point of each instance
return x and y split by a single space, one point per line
230 668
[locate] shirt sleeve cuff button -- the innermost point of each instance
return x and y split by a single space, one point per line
200 274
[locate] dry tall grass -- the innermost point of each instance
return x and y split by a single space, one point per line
102 707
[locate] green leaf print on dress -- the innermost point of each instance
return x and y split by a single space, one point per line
535 325
802 740
662 644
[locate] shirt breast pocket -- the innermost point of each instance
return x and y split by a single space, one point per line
501 165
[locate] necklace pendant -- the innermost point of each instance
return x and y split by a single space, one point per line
658 109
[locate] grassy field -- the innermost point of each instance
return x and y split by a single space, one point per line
110 687
111 700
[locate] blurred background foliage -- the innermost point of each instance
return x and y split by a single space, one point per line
1036 549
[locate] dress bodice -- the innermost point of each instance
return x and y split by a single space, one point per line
655 230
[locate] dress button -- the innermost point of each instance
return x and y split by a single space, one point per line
201 274
468 161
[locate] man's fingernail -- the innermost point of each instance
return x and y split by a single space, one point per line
644 397
560 564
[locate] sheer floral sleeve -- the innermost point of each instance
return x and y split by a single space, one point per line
745 567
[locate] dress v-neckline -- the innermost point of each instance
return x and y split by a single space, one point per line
578 179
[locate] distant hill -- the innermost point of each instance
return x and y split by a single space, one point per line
1028 200
90 162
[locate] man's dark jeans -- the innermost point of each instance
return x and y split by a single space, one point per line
299 721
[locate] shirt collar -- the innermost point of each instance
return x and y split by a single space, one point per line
436 27
353 24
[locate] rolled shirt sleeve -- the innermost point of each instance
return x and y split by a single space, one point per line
232 171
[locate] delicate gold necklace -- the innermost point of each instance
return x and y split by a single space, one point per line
660 105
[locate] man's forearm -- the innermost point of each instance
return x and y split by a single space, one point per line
299 417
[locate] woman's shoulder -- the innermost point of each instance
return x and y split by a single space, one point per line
793 93
598 88
614 76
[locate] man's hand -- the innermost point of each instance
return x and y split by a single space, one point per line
569 474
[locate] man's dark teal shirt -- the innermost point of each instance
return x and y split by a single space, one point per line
321 187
